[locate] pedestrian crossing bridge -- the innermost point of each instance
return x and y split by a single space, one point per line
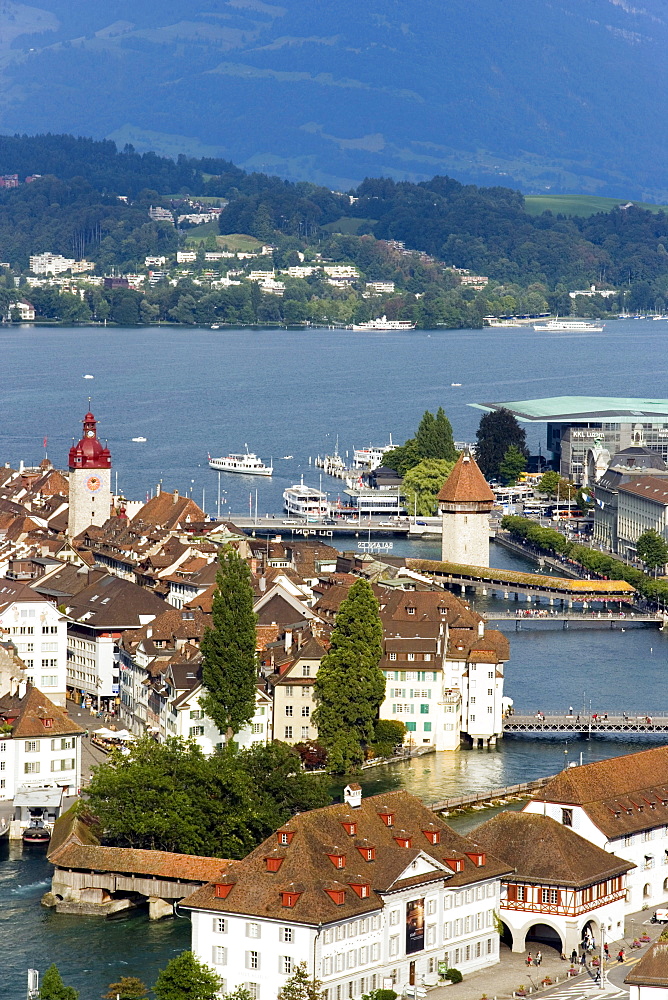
586 726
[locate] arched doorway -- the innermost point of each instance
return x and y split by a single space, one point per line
647 891
665 885
546 936
589 936
506 935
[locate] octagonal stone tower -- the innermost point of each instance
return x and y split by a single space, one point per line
465 501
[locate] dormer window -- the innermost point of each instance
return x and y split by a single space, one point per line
457 864
273 864
47 723
223 889
284 837
410 611
478 858
338 860
442 611
363 889
387 817
337 896
289 898
368 853
350 828
433 836
403 841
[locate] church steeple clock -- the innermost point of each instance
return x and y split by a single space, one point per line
89 480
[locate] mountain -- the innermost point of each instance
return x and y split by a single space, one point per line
549 97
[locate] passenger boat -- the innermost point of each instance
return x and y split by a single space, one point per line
569 326
36 833
248 464
383 323
306 503
372 457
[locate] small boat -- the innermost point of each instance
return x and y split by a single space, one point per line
248 464
142 439
455 383
215 326
285 458
37 833
88 376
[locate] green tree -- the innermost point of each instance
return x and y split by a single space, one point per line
548 482
349 686
387 736
652 549
433 440
53 987
185 978
127 988
514 462
496 432
229 668
423 482
301 986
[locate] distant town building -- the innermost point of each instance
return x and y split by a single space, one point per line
38 632
55 263
380 287
155 261
589 293
185 257
159 214
24 310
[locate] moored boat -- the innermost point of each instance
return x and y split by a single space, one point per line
306 502
383 323
569 326
247 464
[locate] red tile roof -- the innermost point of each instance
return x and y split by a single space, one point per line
161 864
32 711
466 484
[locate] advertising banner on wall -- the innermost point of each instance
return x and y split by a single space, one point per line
414 926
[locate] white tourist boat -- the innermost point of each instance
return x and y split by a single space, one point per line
372 457
248 464
569 326
383 323
306 503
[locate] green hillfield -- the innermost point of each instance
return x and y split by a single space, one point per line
583 205
348 225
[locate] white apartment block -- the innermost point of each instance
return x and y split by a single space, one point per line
193 724
39 632
55 263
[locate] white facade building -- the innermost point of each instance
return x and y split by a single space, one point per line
363 893
621 806
39 632
192 723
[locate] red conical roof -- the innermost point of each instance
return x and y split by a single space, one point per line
466 483
89 453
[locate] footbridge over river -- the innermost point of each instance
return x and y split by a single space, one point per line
586 726
566 618
531 587
97 880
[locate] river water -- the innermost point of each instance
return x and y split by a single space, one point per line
190 392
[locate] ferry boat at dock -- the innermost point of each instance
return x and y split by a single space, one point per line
306 503
372 457
383 323
569 326
247 464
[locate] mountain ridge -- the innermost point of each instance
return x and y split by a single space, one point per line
546 98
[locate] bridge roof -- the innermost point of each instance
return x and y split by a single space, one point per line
583 409
129 861
537 581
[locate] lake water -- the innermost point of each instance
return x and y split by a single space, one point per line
190 392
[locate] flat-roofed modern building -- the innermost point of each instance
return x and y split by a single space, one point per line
576 425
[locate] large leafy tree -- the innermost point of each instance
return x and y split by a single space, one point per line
422 483
170 797
652 549
127 988
349 686
433 440
53 987
496 433
186 978
514 462
229 669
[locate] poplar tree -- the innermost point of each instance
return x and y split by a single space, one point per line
229 668
349 686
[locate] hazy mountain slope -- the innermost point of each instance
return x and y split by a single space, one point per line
552 96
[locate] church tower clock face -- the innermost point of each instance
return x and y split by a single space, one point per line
93 483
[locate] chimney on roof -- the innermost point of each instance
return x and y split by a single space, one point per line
175 496
352 796
481 628
288 639
262 584
157 490
149 632
23 687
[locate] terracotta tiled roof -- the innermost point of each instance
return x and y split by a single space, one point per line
169 510
652 969
544 851
306 868
466 484
162 864
36 715
111 602
648 487
620 795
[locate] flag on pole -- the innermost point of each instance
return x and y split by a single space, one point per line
44 442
